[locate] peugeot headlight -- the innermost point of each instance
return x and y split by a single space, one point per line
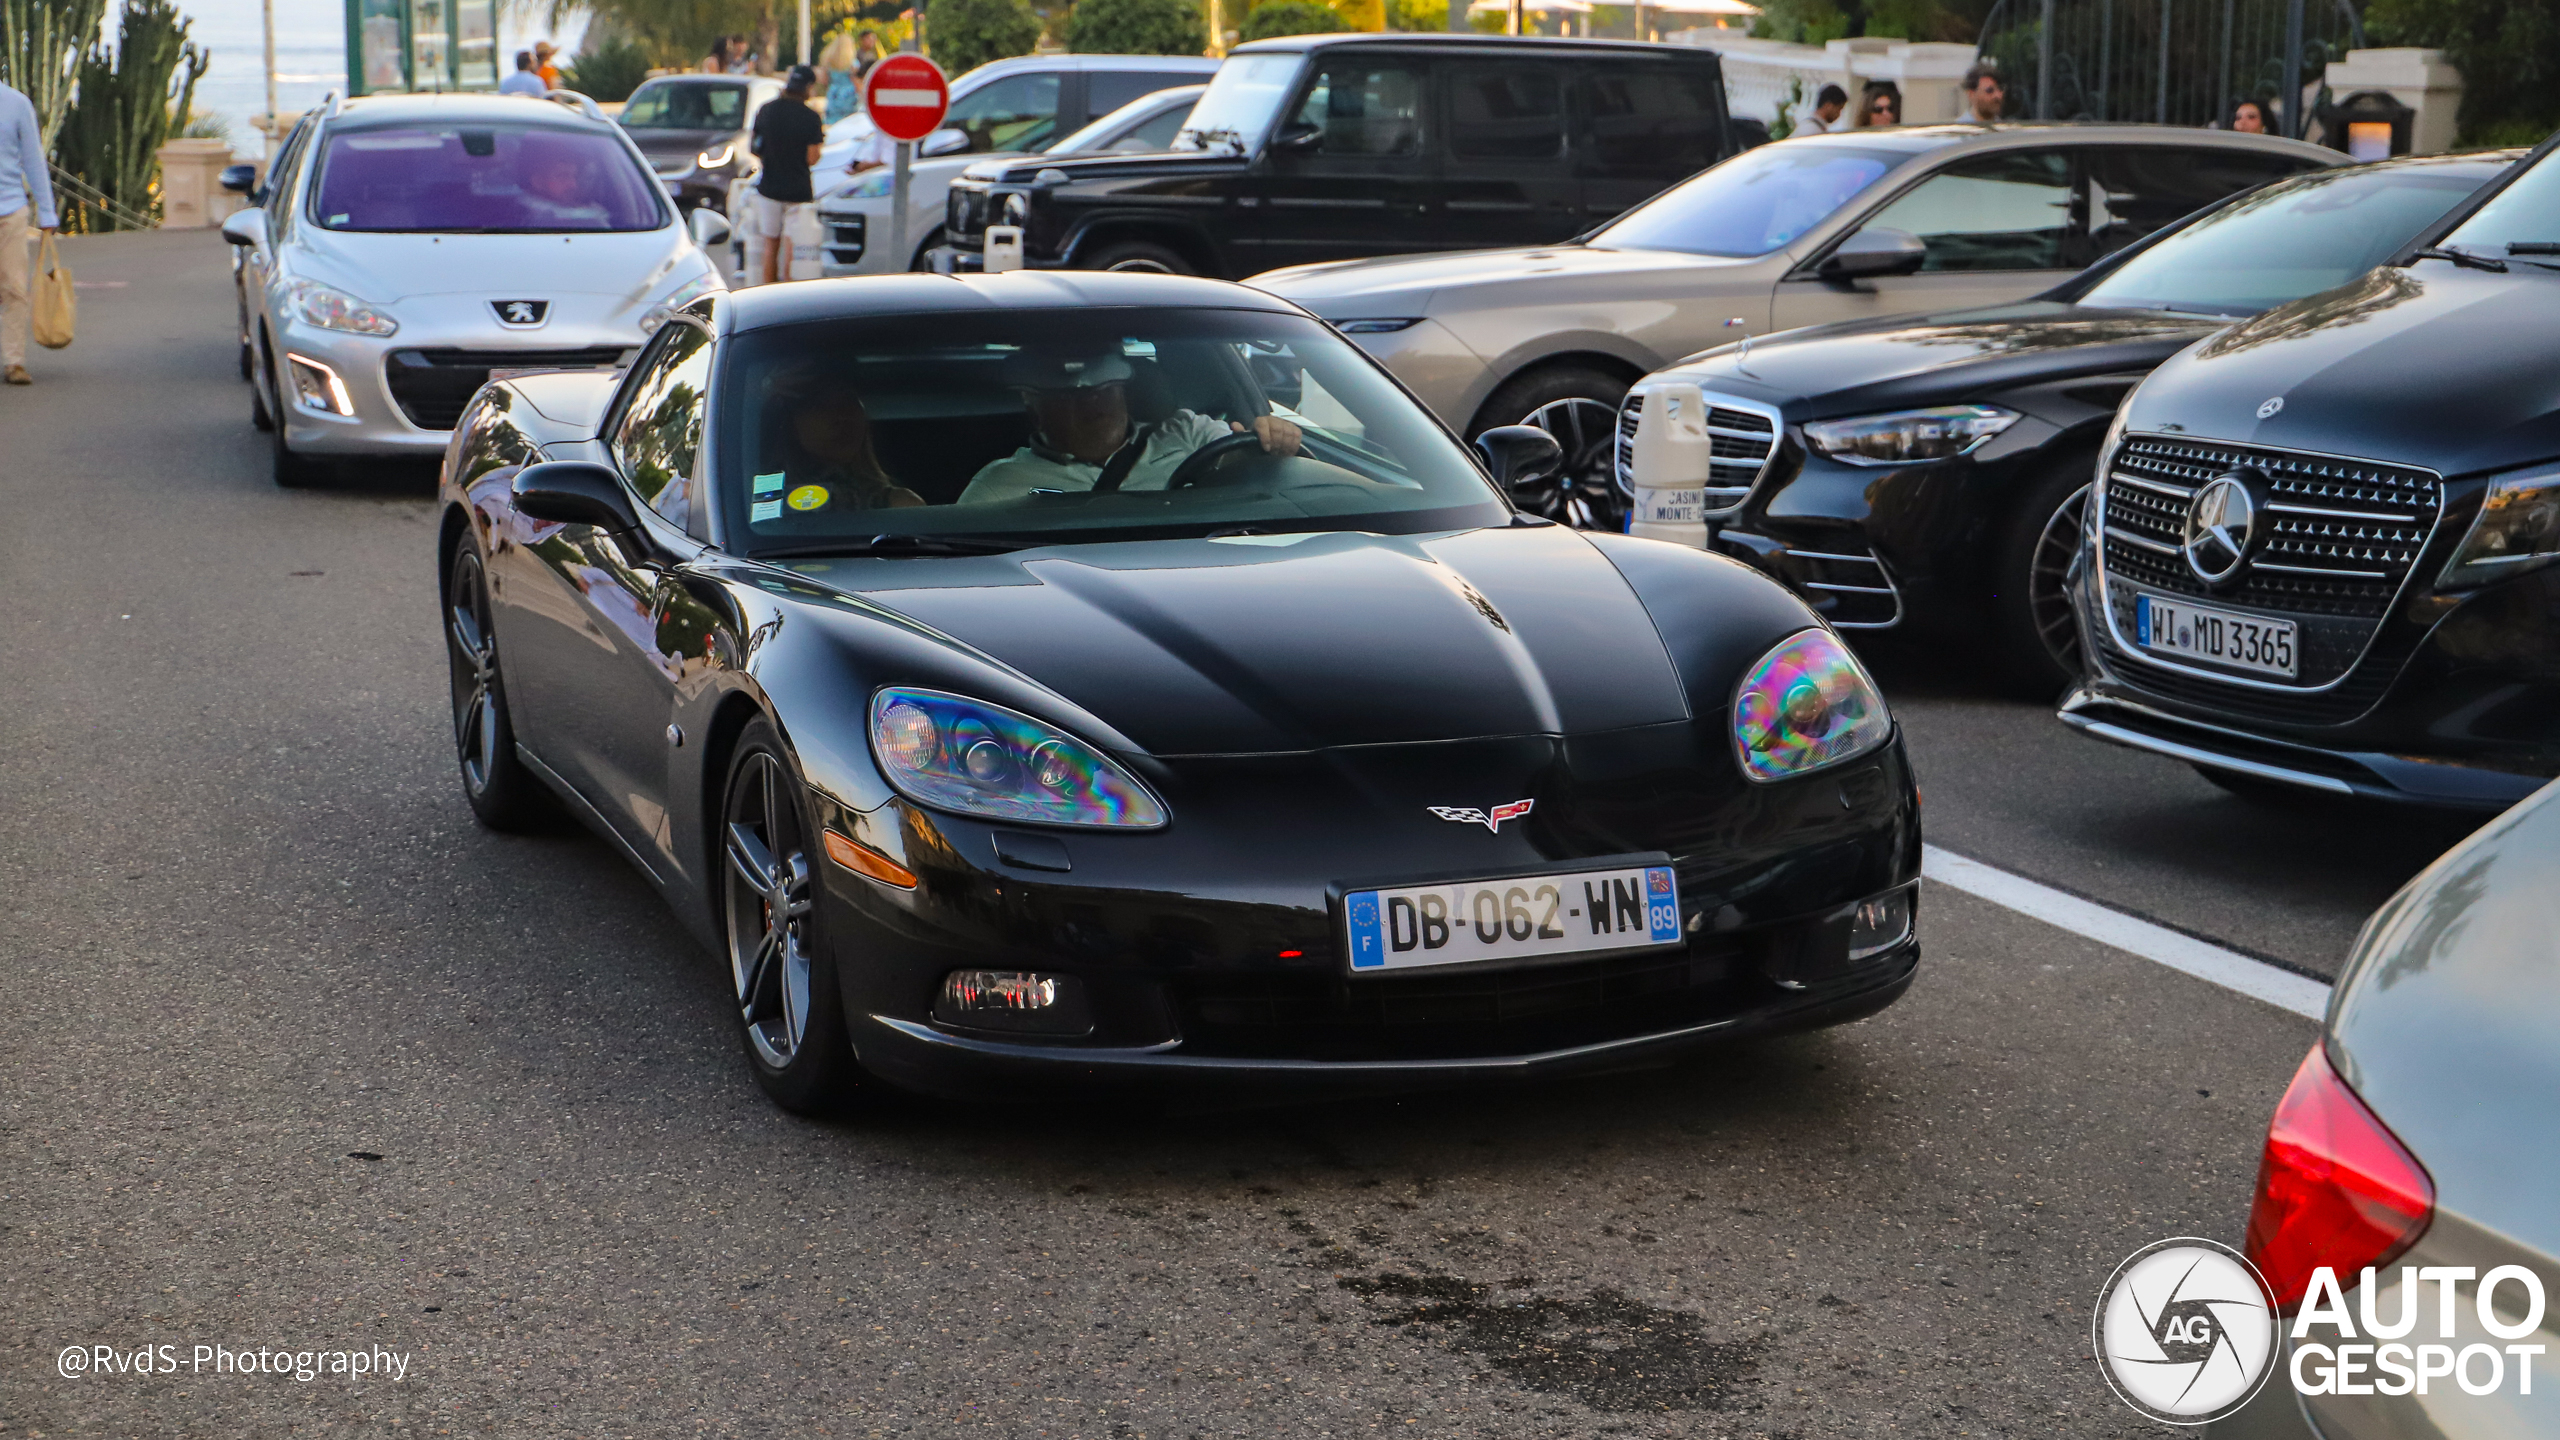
980 759
1804 706
2518 530
678 298
714 159
333 309
1903 437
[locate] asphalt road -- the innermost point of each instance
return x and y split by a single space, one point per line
299 1058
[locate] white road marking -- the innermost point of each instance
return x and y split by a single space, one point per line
2184 953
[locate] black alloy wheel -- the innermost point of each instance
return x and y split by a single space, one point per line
503 793
789 1013
1579 407
2038 635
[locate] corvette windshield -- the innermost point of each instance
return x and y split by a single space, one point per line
1055 426
1756 202
2291 239
482 179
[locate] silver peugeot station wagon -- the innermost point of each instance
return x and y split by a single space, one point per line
405 246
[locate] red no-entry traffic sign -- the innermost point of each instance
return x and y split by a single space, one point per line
906 96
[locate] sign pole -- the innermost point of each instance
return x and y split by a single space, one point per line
806 56
269 9
898 203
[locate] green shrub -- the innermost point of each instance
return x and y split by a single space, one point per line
1291 17
962 35
1136 27
611 71
2508 55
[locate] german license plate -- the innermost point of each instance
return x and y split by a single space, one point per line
1528 917
1669 507
2200 632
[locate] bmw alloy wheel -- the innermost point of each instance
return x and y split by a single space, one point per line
769 908
1583 493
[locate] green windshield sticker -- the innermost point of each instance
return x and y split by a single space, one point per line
767 484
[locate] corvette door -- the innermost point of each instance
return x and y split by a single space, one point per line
581 632
1998 227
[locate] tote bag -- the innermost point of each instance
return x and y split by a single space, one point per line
56 306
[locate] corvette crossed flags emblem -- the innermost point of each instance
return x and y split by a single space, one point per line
1492 820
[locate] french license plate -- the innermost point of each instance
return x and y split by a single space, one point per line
1669 507
2248 642
1519 918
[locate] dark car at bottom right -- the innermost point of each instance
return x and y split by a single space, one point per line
2320 556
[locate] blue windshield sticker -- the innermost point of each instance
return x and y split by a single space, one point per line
763 510
768 484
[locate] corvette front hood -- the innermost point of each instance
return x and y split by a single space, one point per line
1287 643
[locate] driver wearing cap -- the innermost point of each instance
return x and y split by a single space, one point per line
1079 406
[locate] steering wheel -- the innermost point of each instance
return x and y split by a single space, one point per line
1194 468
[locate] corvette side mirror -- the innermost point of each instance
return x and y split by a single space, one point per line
576 492
710 228
1876 250
1517 454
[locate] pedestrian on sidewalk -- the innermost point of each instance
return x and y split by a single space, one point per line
1826 113
716 62
2249 118
545 63
1880 106
844 77
26 206
1984 96
786 138
526 80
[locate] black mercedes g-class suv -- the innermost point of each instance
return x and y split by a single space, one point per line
1334 147
2323 551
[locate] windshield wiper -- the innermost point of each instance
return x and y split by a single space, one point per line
892 546
2463 258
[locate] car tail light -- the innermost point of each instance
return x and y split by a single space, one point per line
2335 1187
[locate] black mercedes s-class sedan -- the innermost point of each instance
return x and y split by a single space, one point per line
1928 472
2322 553
1047 677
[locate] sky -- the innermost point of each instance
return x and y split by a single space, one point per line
311 55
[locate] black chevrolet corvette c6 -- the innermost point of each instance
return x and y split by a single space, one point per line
1111 677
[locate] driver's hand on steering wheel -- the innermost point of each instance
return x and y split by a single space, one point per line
1278 436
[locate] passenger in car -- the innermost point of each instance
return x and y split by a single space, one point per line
1080 425
829 463
555 190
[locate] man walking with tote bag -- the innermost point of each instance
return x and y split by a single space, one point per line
26 205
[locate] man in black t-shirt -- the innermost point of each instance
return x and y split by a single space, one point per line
786 138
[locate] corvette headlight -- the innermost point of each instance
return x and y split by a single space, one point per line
681 296
1806 705
714 159
1941 432
2518 530
333 309
980 759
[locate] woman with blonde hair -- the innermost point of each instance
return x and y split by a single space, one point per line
844 77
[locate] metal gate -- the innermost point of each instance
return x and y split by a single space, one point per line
2166 62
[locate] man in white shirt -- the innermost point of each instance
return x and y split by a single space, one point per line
526 81
1080 427
1826 112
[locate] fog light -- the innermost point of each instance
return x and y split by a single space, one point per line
1017 1000
318 387
1880 924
